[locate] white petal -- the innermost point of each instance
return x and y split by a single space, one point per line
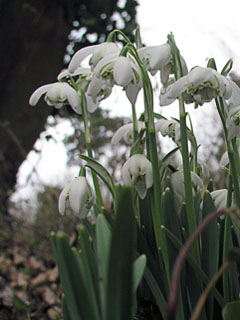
105 64
132 91
198 75
78 194
62 199
103 50
79 56
91 105
122 132
38 93
234 100
73 99
158 56
122 71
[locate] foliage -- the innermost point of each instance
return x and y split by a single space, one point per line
127 255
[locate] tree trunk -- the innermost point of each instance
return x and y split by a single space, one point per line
34 36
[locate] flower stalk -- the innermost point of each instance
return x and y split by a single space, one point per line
184 148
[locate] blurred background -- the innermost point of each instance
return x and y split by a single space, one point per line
39 145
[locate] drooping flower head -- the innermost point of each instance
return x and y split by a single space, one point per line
177 180
169 128
220 198
158 58
200 85
57 94
78 195
125 132
137 172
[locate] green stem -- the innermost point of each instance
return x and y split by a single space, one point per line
177 66
153 156
226 238
187 177
230 150
89 148
135 123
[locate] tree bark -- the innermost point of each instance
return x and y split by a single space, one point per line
34 37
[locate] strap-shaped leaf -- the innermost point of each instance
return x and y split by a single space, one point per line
138 271
101 172
103 242
78 296
120 271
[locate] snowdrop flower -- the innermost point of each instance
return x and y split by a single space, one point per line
200 85
219 198
159 58
121 69
169 128
137 172
177 180
125 132
233 123
97 52
78 195
57 94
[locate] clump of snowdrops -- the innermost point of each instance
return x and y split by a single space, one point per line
171 236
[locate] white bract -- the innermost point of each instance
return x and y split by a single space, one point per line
200 85
219 198
125 132
159 58
137 172
57 94
177 180
78 195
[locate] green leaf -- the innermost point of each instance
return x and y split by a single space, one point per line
101 172
195 266
138 271
88 266
210 239
231 311
78 297
119 300
171 221
156 291
103 243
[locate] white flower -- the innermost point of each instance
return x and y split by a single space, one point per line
220 198
121 69
97 52
233 123
79 195
126 132
200 85
177 180
159 58
137 172
57 94
169 128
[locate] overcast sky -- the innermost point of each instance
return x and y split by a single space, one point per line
202 29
